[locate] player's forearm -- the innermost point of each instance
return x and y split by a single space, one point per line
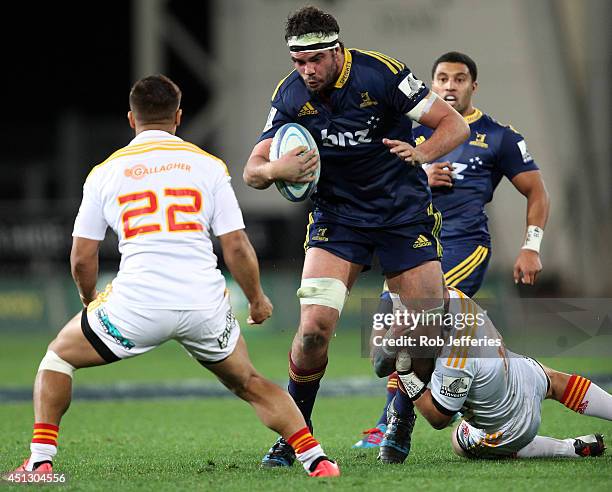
241 260
427 409
538 206
258 172
452 130
85 275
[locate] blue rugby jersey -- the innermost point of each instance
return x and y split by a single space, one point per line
361 184
492 151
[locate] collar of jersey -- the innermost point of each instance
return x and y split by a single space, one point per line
150 136
346 70
474 117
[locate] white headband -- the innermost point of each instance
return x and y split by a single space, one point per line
312 41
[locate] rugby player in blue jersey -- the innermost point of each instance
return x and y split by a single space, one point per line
462 183
372 196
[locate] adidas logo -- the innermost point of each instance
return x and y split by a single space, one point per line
421 242
307 109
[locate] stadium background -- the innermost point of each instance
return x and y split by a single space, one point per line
544 67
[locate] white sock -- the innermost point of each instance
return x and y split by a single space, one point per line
40 452
597 403
308 457
548 447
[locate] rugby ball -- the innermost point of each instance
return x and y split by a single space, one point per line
288 137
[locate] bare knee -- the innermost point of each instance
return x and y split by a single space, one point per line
309 348
314 341
459 451
314 334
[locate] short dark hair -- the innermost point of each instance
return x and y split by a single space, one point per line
155 99
456 57
310 19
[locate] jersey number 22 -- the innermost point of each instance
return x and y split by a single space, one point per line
150 197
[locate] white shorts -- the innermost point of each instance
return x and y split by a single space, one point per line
520 429
118 331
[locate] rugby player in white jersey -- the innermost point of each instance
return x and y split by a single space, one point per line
163 197
499 393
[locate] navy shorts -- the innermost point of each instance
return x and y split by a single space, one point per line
398 248
465 264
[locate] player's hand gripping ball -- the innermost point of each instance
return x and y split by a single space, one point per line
288 137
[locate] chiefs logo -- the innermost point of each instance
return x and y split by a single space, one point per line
582 407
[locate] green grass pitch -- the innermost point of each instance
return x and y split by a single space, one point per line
216 444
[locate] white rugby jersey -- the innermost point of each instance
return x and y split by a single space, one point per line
486 383
162 196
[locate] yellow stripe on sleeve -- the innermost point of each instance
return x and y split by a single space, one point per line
400 66
381 59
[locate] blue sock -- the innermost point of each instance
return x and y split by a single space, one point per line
303 387
402 404
391 392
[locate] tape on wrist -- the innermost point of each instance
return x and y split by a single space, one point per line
412 384
533 238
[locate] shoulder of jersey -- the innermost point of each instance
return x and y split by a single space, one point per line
376 60
141 149
286 83
501 126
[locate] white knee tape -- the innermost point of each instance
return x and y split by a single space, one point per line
52 362
329 292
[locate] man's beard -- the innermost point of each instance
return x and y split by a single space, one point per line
324 87
329 81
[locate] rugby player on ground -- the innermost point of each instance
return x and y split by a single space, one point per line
499 393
